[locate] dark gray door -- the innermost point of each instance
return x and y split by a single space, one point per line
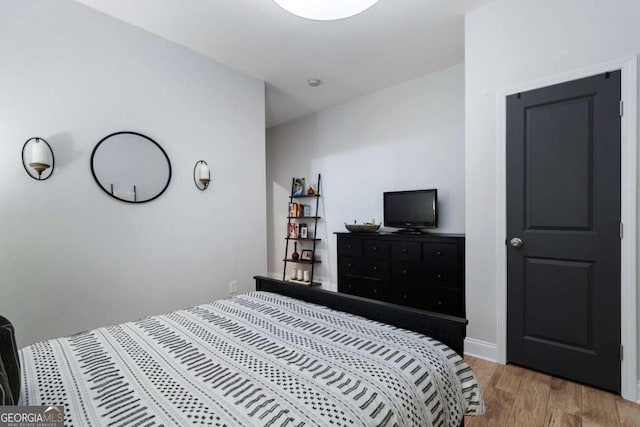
563 204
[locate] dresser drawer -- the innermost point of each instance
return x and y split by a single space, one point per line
367 288
365 267
445 254
407 272
376 249
419 273
378 269
349 265
425 297
405 251
350 246
449 277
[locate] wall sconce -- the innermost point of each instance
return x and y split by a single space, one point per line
201 175
37 157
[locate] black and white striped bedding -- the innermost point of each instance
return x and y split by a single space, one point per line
256 359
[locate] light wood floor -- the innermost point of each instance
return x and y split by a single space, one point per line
517 397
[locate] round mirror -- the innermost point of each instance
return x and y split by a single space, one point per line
131 167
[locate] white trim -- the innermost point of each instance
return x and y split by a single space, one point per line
638 392
480 349
629 209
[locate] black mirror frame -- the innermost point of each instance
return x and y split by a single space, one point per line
93 172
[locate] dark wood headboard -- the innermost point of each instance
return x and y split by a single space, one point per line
449 330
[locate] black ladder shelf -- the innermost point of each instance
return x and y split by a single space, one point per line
312 239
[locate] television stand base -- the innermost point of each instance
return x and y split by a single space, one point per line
416 231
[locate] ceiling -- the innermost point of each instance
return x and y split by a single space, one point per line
394 41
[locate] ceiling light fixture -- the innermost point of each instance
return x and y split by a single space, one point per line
325 10
314 82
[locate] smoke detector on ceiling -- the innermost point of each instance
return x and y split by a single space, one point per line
325 10
314 82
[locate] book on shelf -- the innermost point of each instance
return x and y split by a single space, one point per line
297 210
294 209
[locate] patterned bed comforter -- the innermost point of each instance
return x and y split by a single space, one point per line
258 359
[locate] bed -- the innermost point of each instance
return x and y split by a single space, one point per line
262 358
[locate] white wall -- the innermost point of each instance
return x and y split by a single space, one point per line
410 136
511 43
71 257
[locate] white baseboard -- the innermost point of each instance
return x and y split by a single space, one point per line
481 349
638 393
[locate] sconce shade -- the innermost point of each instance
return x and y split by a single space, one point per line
201 175
204 173
38 155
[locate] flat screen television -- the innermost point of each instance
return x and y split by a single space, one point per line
411 211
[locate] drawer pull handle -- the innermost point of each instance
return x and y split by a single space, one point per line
440 302
375 268
349 246
405 250
349 265
404 296
349 286
439 253
375 248
375 291
404 272
439 276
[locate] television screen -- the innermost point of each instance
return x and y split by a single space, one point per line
411 209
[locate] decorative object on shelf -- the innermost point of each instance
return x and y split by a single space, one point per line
130 160
201 175
295 255
311 191
305 232
362 228
38 156
325 10
298 187
294 232
294 274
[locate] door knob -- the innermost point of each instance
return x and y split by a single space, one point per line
516 242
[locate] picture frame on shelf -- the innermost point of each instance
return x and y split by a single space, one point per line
307 255
304 231
298 187
306 210
294 231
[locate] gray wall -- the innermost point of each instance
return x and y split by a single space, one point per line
72 258
406 137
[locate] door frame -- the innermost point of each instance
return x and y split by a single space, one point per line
628 209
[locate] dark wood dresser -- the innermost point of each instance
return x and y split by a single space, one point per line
423 271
